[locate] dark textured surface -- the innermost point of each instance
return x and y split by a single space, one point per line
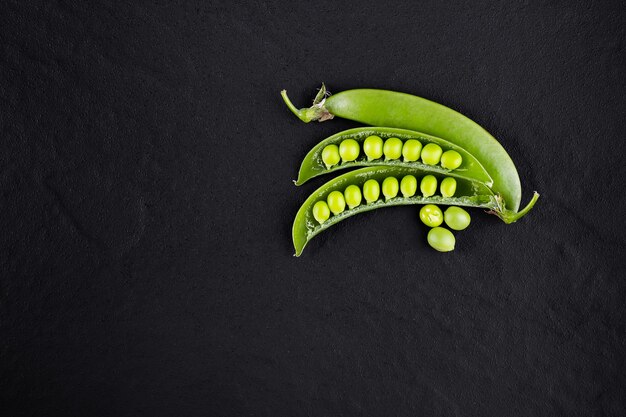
146 203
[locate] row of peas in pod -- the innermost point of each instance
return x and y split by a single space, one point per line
392 149
352 196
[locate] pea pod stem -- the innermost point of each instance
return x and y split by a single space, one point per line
509 216
394 109
316 112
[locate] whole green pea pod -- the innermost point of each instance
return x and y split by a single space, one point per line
405 111
313 164
312 220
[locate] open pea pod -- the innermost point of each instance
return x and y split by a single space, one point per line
469 193
313 165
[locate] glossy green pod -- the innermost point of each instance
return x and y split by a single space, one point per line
469 193
313 165
406 111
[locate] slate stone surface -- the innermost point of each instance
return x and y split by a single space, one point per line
146 204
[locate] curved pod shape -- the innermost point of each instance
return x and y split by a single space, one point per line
469 194
406 111
313 165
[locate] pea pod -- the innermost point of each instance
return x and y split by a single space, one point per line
313 163
469 193
400 110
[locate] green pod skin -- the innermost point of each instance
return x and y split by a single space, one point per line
469 193
313 165
406 111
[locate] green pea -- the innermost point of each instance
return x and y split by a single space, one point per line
371 191
456 218
353 196
431 215
321 212
373 147
349 150
451 159
448 187
408 186
336 202
392 148
411 150
390 187
330 155
441 239
431 154
428 186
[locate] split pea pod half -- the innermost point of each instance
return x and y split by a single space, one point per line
405 111
308 222
324 157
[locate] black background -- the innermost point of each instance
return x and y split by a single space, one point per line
146 161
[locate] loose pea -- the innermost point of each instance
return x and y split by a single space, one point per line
371 191
321 212
451 159
441 239
411 150
408 186
431 215
349 150
392 148
390 187
336 202
353 196
456 218
448 187
428 186
431 154
330 155
373 147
